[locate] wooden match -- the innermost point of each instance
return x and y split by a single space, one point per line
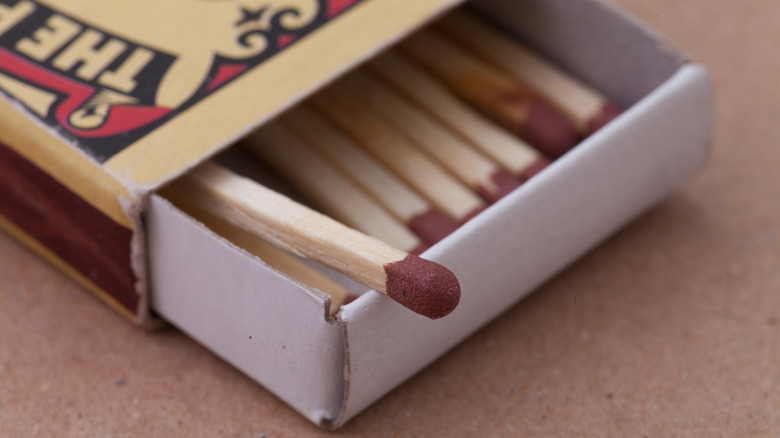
475 170
417 213
418 86
337 196
420 285
587 108
393 149
503 99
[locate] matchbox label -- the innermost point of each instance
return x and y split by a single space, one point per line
105 73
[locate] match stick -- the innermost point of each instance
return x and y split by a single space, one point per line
503 99
587 108
275 258
420 285
418 214
324 185
394 150
473 169
418 86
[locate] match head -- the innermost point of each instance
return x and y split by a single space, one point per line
422 286
548 130
535 167
473 213
608 113
432 226
503 183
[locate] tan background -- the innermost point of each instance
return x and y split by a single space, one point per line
671 328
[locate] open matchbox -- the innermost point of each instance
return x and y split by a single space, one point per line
84 151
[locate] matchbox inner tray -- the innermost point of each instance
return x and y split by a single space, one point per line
94 138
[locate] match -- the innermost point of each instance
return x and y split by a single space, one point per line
511 153
405 204
422 286
326 187
393 149
586 107
500 97
472 168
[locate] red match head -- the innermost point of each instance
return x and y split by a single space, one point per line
423 286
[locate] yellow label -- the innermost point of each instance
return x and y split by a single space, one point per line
147 88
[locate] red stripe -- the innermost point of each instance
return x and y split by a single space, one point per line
81 235
121 118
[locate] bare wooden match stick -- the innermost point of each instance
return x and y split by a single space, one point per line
418 214
420 285
499 96
275 258
473 169
418 86
589 109
331 191
393 149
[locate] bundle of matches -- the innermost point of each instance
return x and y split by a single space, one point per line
511 153
430 224
509 84
584 106
507 101
394 149
478 172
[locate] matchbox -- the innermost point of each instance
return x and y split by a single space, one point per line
105 104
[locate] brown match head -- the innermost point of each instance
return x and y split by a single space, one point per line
548 130
608 113
474 213
422 286
432 225
502 184
535 167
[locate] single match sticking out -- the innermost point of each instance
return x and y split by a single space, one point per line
420 285
275 258
418 214
324 185
497 95
418 86
587 108
473 169
393 149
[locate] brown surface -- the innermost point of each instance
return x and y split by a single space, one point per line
672 328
